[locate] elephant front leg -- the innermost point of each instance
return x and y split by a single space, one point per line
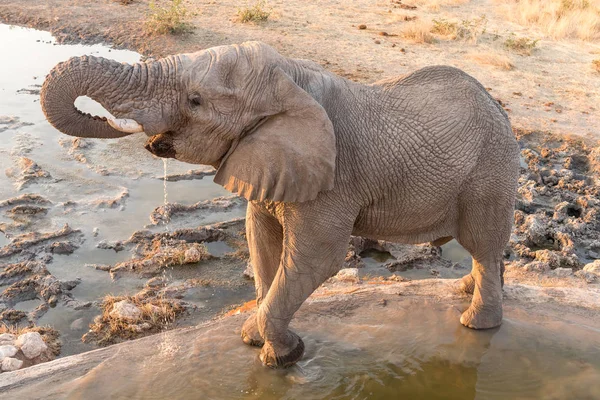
311 255
265 240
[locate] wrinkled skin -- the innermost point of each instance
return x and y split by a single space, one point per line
425 157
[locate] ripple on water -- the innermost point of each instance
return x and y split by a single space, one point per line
406 351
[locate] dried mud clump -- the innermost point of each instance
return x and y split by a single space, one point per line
165 213
131 317
26 172
557 220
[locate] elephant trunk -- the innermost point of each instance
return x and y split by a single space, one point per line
108 82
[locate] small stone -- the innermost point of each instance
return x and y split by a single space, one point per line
63 248
383 34
593 268
538 266
378 42
95 232
146 326
125 310
7 350
11 364
192 255
562 272
347 275
77 325
248 272
31 344
362 26
7 338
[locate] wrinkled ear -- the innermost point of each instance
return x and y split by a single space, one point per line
290 157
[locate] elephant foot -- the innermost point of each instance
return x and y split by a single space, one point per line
482 318
467 284
282 355
250 334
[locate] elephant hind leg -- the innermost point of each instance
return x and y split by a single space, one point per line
484 229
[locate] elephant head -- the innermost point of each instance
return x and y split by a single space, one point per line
237 108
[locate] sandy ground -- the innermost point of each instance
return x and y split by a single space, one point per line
556 88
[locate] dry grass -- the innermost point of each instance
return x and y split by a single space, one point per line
257 12
171 17
557 18
596 65
418 32
434 5
158 313
521 45
496 60
467 29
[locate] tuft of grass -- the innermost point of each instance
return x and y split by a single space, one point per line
467 29
435 5
257 12
418 32
158 313
496 60
172 18
596 64
557 18
522 45
444 28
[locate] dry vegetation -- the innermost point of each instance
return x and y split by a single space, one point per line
497 60
434 5
557 18
467 29
257 12
156 315
170 17
520 45
418 31
596 65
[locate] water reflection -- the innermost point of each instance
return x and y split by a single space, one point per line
405 350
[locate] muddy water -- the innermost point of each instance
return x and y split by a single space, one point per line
417 353
108 194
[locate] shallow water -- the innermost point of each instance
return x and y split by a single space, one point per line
28 55
401 351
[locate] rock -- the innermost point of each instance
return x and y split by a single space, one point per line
586 276
95 232
7 350
249 272
77 325
347 275
31 344
125 310
537 266
192 255
11 364
562 272
593 268
593 254
549 257
362 26
63 248
7 338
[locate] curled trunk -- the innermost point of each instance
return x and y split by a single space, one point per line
98 78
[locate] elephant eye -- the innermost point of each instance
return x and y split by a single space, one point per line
195 100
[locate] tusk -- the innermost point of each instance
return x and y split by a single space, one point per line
125 125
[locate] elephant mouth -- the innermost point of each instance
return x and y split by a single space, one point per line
161 145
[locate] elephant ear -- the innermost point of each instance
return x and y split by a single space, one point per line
290 157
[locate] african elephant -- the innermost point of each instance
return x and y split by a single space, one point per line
425 157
